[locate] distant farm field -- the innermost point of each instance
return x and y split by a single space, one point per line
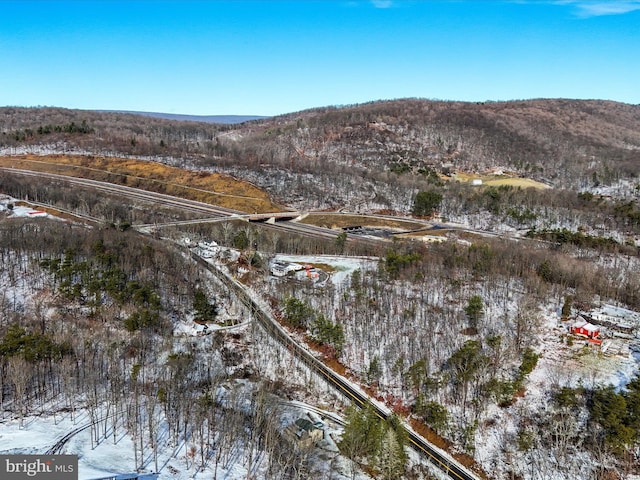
497 180
212 188
517 182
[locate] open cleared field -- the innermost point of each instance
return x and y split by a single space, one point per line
336 220
497 180
212 188
516 182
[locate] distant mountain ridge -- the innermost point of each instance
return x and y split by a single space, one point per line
367 157
222 119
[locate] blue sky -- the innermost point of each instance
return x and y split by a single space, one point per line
272 57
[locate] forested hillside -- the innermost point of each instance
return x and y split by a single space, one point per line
375 156
525 219
555 140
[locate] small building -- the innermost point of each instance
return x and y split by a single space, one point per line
311 272
585 329
209 246
280 269
308 432
38 213
208 249
476 182
619 319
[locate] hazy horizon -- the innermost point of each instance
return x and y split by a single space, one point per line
275 57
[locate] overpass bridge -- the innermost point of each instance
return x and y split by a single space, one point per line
273 217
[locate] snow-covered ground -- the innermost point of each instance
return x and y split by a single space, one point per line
40 432
559 364
9 208
343 266
577 364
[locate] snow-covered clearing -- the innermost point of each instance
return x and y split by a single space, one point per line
41 432
8 206
343 266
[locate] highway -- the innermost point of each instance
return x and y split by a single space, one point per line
131 192
168 200
210 212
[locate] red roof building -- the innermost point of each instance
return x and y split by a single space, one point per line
585 329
